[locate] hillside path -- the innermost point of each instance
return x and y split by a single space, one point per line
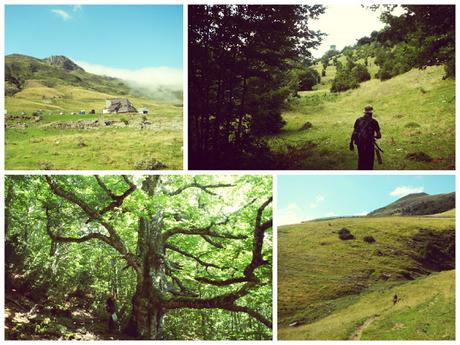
359 331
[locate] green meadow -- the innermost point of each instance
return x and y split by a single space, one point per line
332 289
415 110
54 141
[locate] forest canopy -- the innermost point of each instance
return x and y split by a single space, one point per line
183 257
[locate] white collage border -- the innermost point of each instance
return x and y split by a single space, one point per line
274 173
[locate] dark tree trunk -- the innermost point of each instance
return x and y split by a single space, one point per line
147 314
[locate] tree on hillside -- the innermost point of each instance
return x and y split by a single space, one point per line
428 31
190 242
326 58
349 75
239 58
308 78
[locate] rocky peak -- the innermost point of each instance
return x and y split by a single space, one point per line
63 62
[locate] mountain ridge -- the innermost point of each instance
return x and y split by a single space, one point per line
55 71
417 204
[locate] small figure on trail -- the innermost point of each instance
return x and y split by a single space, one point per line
366 130
112 310
395 299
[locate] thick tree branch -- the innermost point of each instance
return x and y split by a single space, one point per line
227 301
257 259
184 291
71 197
212 242
223 282
255 314
114 240
204 187
196 258
117 199
104 187
206 231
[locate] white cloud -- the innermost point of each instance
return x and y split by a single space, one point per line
319 199
405 190
331 214
61 13
153 79
363 213
291 214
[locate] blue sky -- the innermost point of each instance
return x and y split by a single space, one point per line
123 37
310 197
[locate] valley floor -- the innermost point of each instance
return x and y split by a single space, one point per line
118 142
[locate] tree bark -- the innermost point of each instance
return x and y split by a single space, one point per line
147 314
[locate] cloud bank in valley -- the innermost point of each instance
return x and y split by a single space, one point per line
161 83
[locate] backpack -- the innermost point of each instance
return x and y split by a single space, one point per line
364 131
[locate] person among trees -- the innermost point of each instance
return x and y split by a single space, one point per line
366 130
112 310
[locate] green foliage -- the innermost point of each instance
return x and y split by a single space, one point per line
394 61
360 73
326 58
82 275
344 81
423 36
239 80
349 76
308 78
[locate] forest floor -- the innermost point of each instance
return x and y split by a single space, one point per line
415 110
27 320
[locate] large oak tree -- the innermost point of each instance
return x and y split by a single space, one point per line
192 242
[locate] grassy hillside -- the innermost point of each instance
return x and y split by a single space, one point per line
447 214
325 83
19 69
328 288
418 204
84 142
416 112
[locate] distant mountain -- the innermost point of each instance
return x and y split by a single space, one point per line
55 71
418 204
63 62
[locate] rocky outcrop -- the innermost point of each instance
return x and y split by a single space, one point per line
63 62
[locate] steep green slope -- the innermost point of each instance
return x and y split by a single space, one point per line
418 204
416 112
425 311
321 277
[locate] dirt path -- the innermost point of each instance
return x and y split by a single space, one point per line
25 320
359 331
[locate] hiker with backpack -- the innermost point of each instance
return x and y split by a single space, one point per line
112 311
366 131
